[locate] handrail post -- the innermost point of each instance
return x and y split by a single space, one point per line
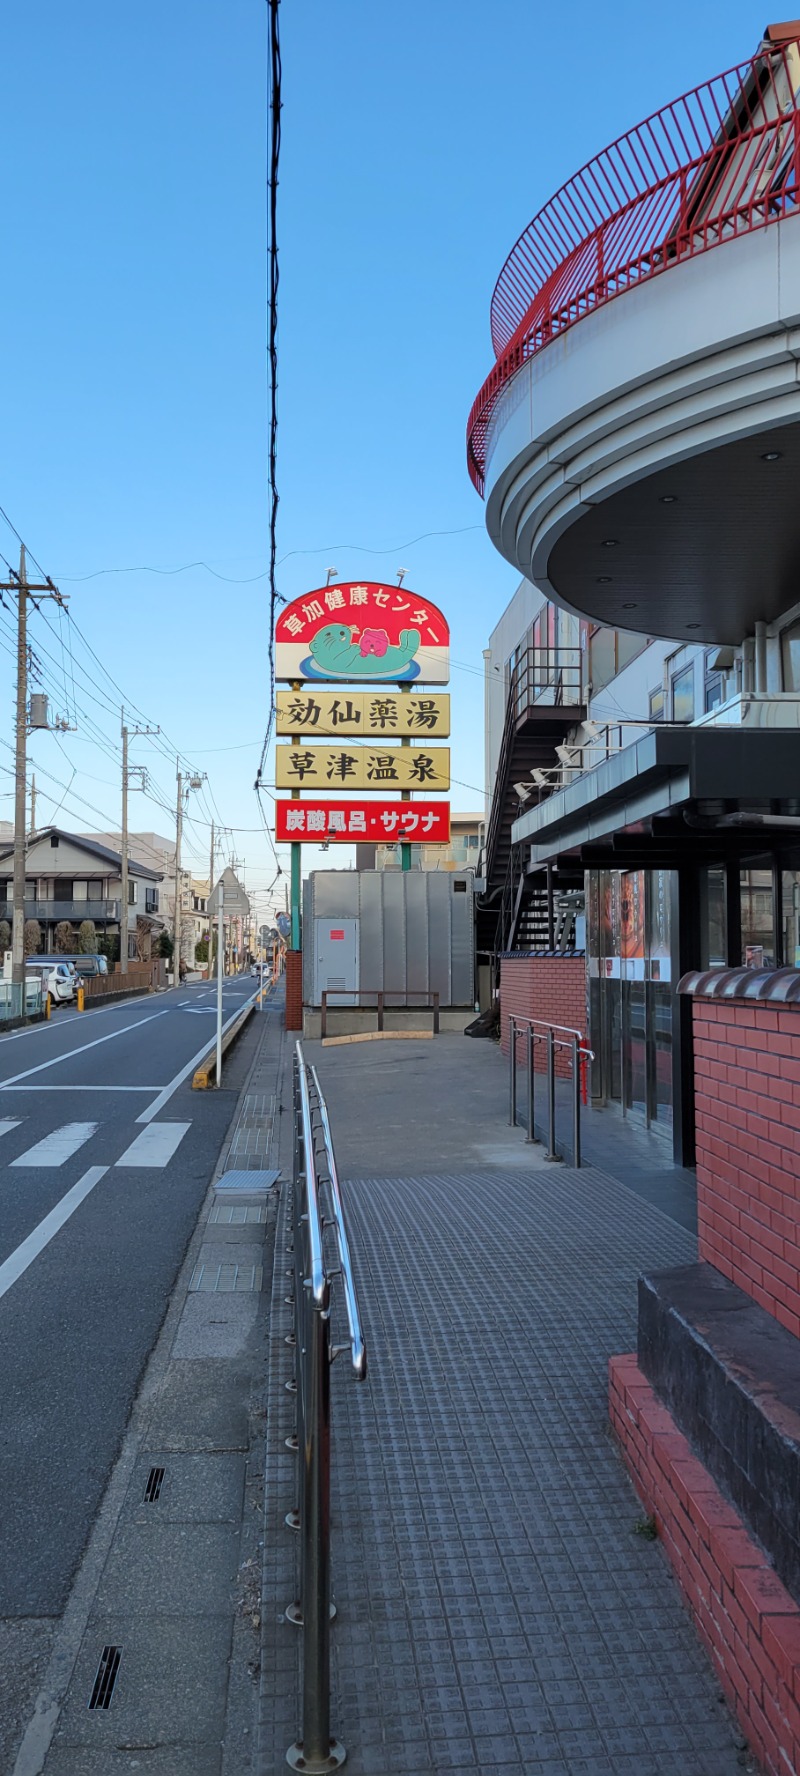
512 1077
576 1102
435 1014
551 1097
316 1563
380 1010
530 1136
324 1018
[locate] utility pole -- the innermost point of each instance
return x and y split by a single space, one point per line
176 952
17 940
123 923
208 908
33 805
20 585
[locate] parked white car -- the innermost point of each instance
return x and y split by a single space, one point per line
58 979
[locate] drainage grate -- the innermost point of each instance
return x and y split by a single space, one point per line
248 1181
106 1677
155 1481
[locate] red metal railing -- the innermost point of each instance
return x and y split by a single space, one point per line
713 165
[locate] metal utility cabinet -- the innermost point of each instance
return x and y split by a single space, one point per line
399 933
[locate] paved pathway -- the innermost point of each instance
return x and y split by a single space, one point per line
496 1609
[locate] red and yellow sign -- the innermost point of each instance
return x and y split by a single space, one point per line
363 633
421 823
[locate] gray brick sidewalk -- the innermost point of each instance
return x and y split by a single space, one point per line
496 1609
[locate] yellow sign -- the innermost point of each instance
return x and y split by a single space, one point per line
334 768
350 714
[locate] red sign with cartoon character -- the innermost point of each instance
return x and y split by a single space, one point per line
363 633
421 823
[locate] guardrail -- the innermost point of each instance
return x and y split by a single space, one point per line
721 161
555 1036
318 1233
431 999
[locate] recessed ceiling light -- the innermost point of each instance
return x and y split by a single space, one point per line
630 606
693 625
668 499
604 579
610 542
771 455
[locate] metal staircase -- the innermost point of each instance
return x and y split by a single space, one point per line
545 701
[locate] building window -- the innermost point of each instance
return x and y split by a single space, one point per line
683 695
656 704
132 893
714 692
790 656
54 840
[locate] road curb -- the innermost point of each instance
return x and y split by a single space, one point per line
205 1074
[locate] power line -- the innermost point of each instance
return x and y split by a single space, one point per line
273 281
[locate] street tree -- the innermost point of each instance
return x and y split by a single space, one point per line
87 937
64 939
143 951
5 935
31 936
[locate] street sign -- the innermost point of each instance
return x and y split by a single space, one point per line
387 768
362 633
235 902
351 715
311 822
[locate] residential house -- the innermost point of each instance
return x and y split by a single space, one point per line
70 878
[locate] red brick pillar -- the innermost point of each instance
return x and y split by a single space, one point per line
294 990
550 987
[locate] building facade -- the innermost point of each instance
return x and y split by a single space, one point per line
637 444
70 879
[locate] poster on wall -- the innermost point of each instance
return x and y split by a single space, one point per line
362 633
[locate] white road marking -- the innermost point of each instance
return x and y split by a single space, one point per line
82 1088
165 1095
155 1145
7 1123
57 1059
35 1243
98 1011
57 1146
202 1011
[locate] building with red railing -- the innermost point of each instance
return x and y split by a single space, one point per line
638 445
637 439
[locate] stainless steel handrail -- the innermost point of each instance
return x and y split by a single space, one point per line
538 1030
316 1751
316 1259
358 1351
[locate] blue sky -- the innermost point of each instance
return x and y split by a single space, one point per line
418 140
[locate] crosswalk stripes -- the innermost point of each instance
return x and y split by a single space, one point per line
153 1147
58 1146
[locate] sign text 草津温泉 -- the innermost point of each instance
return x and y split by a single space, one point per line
362 633
351 715
426 823
342 767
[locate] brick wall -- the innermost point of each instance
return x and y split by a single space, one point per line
747 1095
745 1617
294 990
551 987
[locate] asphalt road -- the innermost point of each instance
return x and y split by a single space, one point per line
105 1157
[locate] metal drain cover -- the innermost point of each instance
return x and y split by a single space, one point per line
247 1181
